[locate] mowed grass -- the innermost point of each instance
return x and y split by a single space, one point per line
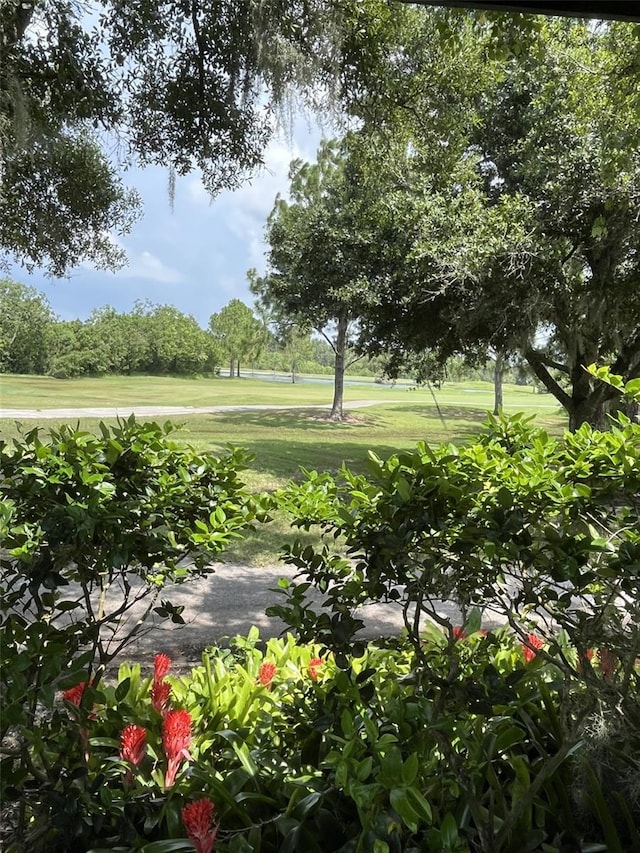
283 441
44 392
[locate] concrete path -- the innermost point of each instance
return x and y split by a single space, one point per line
163 411
231 600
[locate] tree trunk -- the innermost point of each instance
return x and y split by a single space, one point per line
293 373
231 368
238 368
498 375
587 401
338 374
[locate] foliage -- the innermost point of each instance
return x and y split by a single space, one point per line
469 752
318 255
522 234
542 534
26 322
153 339
527 526
180 85
238 333
95 529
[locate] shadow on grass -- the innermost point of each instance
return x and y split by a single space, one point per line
282 442
317 419
308 419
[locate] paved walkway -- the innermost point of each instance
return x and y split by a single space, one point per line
162 411
231 600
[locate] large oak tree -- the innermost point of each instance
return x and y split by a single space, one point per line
186 85
530 240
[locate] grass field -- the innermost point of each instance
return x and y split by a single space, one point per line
284 440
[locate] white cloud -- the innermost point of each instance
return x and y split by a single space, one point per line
147 266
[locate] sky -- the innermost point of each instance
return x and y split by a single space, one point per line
194 256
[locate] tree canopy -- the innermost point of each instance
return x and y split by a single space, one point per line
188 86
528 239
238 334
318 257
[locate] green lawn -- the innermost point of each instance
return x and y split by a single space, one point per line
42 392
282 440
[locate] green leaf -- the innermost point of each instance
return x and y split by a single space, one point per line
401 805
122 689
449 830
410 769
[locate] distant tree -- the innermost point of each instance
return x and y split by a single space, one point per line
177 344
294 348
72 350
155 339
238 334
319 255
26 324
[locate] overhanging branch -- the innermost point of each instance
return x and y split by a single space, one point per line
538 366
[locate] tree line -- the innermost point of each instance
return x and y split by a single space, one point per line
150 339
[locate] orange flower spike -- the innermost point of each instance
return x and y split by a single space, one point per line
133 744
315 665
75 694
161 696
608 663
161 666
266 672
528 652
176 739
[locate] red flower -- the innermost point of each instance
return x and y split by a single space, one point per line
608 662
176 739
459 633
75 694
161 666
266 672
532 640
200 824
314 668
160 689
583 657
160 696
133 744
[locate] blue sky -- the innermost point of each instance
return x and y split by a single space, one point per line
195 256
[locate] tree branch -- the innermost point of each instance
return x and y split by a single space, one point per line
539 368
555 365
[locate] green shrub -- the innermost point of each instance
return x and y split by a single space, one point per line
293 753
91 527
543 535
